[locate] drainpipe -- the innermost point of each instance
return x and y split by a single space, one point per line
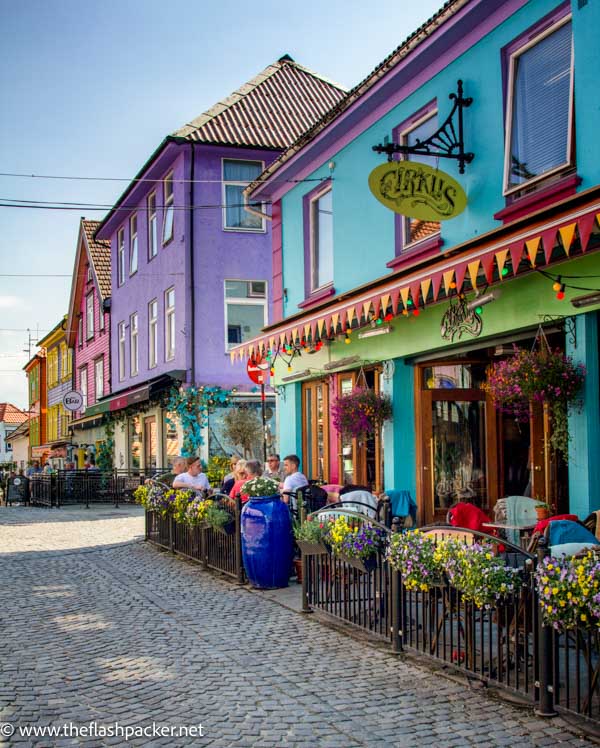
192 290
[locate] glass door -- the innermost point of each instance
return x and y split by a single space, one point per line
315 431
150 443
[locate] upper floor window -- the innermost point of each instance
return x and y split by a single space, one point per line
65 362
133 245
169 324
416 230
80 331
245 310
169 208
152 227
101 318
99 377
152 334
121 352
539 113
120 257
237 175
89 273
89 316
321 240
83 386
52 368
133 344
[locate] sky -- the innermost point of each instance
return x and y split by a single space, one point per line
89 88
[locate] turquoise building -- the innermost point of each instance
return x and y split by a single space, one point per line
402 294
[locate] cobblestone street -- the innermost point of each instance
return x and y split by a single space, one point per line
97 627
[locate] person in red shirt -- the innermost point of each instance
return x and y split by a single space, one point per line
252 470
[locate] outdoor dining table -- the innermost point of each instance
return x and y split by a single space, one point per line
523 529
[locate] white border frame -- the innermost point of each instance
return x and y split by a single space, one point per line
243 301
509 111
224 183
311 228
166 311
134 217
166 205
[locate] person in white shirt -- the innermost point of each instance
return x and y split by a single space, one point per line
294 479
194 478
273 468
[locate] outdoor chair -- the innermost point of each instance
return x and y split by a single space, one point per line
562 532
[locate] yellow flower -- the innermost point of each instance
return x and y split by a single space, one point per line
555 590
583 617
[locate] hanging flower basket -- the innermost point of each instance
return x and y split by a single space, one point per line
360 412
543 376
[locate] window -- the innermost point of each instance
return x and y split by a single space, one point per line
100 317
83 386
169 208
65 362
120 257
34 382
34 432
99 377
52 424
121 331
245 310
539 110
152 227
133 344
64 420
169 324
89 316
237 175
133 245
416 230
89 274
52 368
321 240
152 334
80 331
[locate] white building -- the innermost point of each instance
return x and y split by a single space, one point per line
10 418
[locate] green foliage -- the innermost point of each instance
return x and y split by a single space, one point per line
216 516
242 426
192 406
313 530
261 486
218 467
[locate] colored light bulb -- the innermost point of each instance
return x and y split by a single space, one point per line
560 295
556 286
504 272
416 312
405 312
379 321
478 309
389 317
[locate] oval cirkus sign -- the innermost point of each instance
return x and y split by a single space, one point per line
417 190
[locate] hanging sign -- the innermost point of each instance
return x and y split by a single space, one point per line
459 320
417 190
73 400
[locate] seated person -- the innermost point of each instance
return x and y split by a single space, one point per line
294 480
253 470
239 473
361 501
179 466
229 479
194 479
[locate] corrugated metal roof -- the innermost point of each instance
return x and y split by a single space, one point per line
100 256
11 414
270 111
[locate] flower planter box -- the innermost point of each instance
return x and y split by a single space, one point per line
366 565
312 549
227 529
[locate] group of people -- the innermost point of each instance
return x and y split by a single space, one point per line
187 474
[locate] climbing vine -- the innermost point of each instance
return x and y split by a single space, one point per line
104 454
192 407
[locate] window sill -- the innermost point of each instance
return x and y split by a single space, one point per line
554 193
166 242
317 296
428 248
244 231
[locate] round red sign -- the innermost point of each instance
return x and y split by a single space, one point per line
257 370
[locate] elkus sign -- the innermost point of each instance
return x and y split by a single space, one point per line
417 190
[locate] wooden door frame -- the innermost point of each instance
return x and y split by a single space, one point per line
306 431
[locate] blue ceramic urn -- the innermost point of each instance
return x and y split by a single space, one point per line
267 541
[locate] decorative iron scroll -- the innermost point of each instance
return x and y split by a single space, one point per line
459 320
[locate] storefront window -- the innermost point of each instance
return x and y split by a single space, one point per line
135 442
171 442
315 430
453 376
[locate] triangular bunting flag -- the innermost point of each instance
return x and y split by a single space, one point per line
585 226
415 290
425 286
271 342
501 260
366 309
334 322
473 272
532 249
460 271
320 325
566 236
282 338
516 252
306 330
295 334
436 282
232 356
313 327
349 316
385 300
448 279
404 296
548 240
375 303
395 297
488 266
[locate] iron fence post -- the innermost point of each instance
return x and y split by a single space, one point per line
396 592
171 534
239 566
86 488
545 706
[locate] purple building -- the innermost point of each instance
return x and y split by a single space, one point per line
191 267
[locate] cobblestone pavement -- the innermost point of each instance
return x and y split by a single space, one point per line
125 633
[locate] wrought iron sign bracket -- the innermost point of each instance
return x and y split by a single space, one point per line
446 142
567 322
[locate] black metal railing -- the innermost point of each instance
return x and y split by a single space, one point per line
219 550
505 645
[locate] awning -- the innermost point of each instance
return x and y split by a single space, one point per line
146 391
129 398
87 422
547 237
97 409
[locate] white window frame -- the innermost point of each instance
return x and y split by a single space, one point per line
133 344
152 225
168 205
247 300
170 325
89 316
100 316
89 273
80 331
263 226
153 334
404 133
133 245
121 256
121 352
313 202
99 382
83 386
509 112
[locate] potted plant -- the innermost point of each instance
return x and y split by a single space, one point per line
311 535
542 510
196 510
362 411
260 487
361 549
414 555
217 517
